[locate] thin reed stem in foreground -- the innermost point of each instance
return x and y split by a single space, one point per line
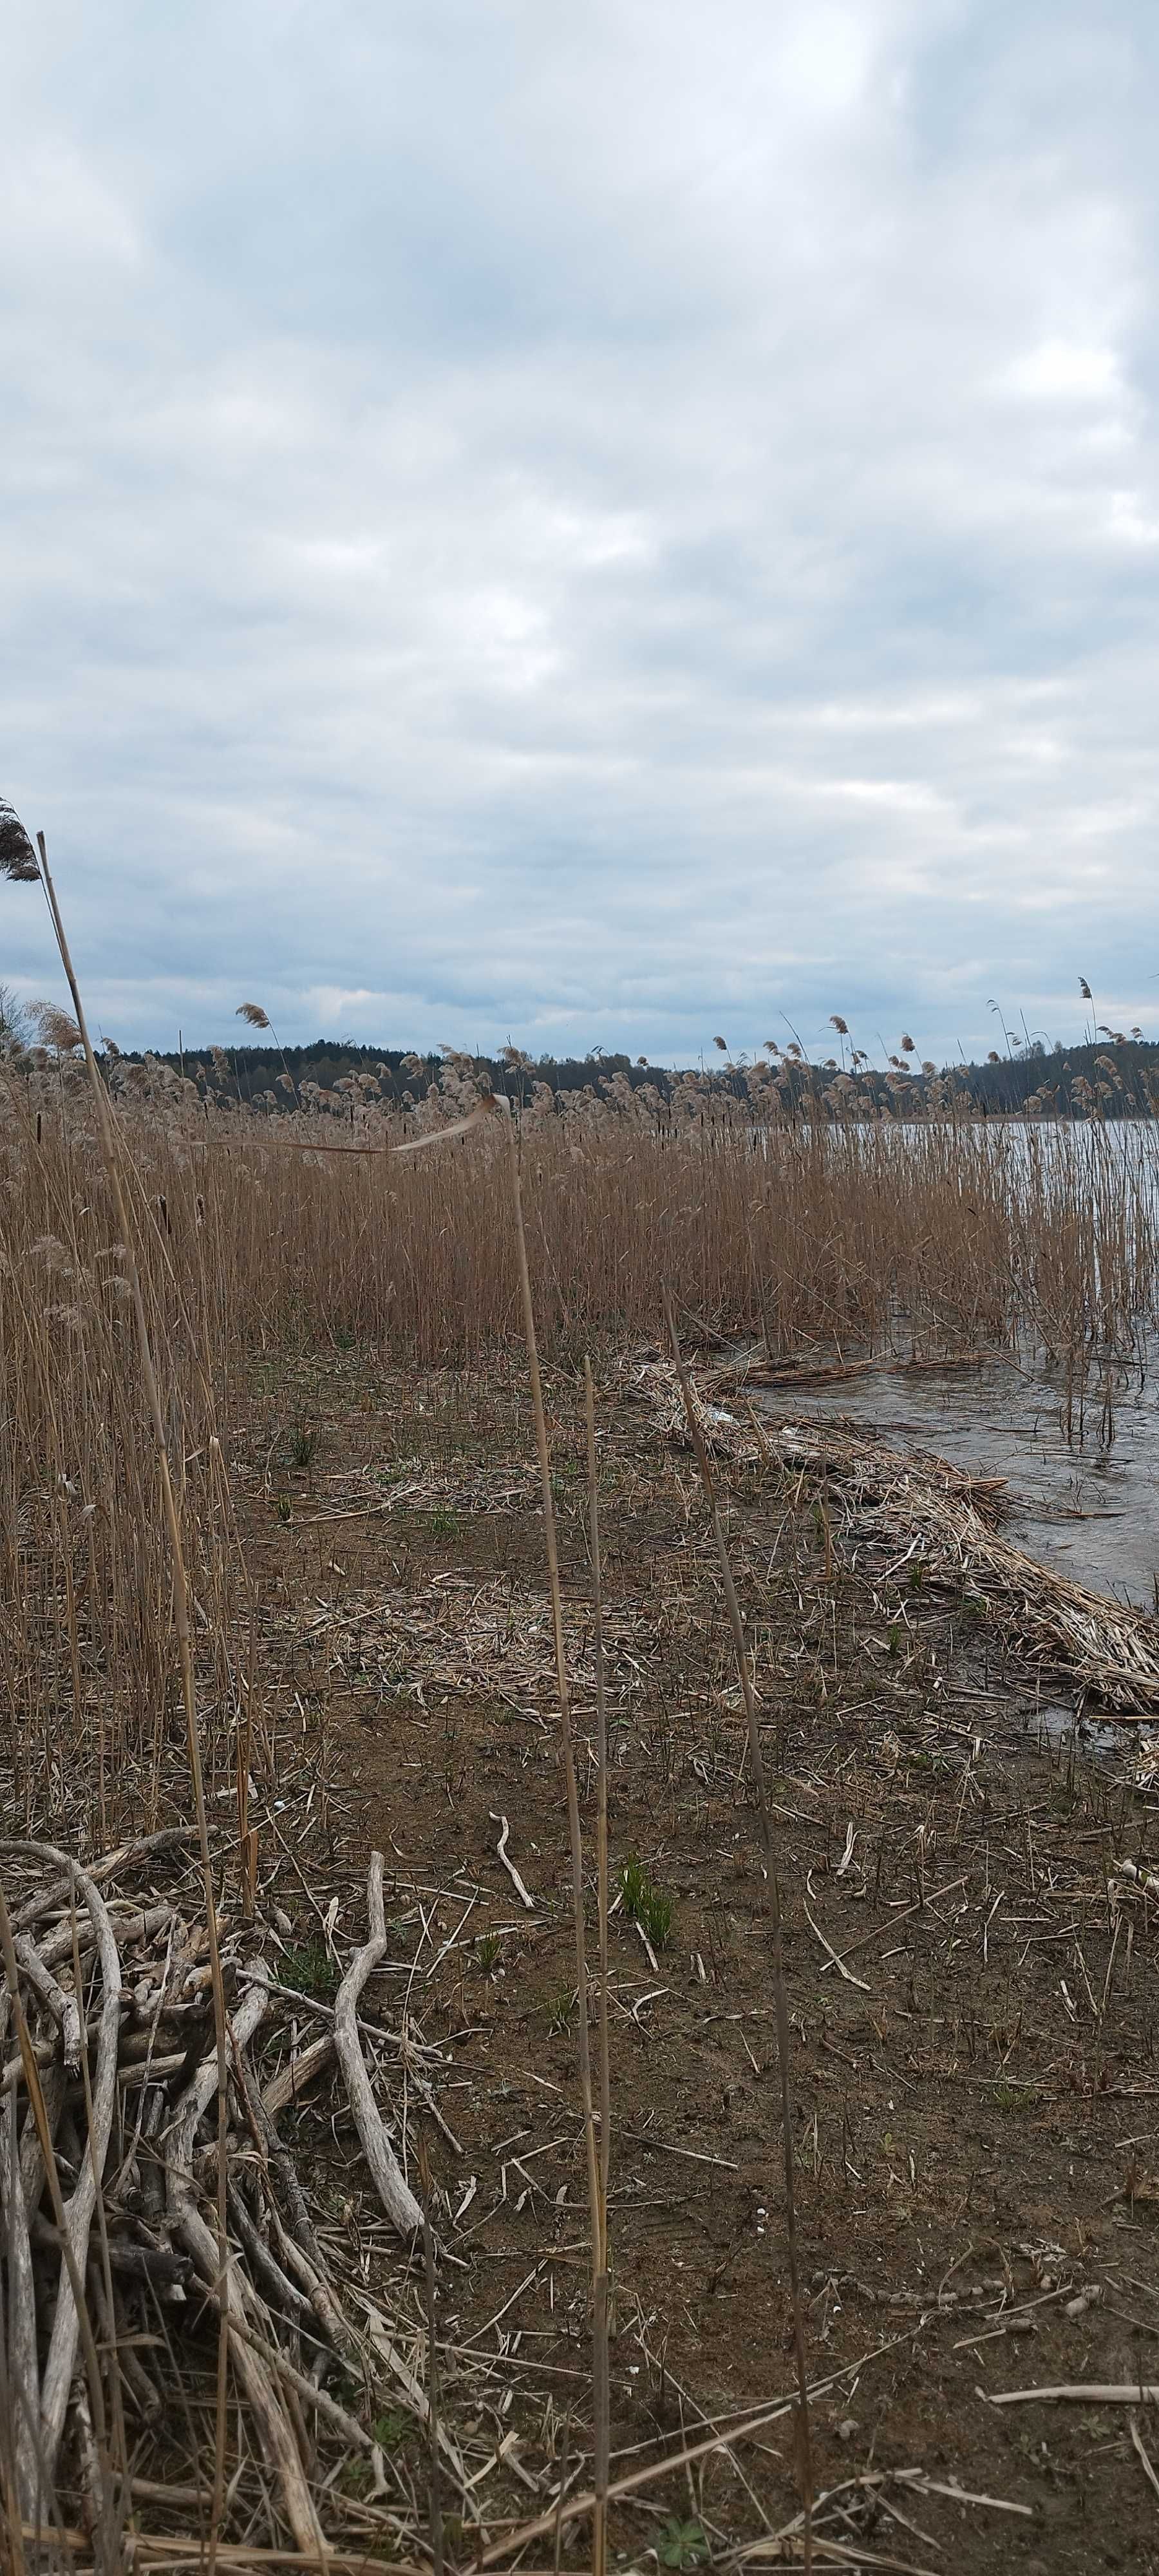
436 2478
114 2508
564 1693
780 1998
601 2359
181 1619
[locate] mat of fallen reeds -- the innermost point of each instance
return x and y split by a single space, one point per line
1109 1650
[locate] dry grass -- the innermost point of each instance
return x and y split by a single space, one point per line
821 1237
300 1227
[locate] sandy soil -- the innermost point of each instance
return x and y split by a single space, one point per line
976 2096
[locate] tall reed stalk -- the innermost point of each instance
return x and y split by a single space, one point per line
596 2218
181 1614
601 2365
597 2213
780 1995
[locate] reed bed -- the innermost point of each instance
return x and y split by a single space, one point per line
259 1236
881 1233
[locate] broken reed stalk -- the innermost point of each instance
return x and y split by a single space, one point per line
181 1619
780 1999
601 2360
573 1820
114 2510
436 2489
561 2490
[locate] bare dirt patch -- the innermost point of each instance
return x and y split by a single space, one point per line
976 2096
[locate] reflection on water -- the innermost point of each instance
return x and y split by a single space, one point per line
1091 1512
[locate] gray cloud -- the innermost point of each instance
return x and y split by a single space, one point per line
598 527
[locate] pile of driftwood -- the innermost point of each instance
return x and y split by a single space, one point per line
1110 1650
147 2196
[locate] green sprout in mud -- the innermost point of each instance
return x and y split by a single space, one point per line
682 2544
1019 2099
392 2430
311 1970
649 1906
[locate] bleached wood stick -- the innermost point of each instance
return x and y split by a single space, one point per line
835 1959
1094 2392
64 2008
232 2293
294 2078
509 1865
61 2361
397 2198
23 2361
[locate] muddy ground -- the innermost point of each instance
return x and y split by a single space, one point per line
975 2089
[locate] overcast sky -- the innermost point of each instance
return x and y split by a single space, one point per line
598 525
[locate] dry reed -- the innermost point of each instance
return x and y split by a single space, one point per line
856 1236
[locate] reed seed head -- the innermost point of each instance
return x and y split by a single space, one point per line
18 859
57 1028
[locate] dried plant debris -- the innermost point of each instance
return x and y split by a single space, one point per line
204 2233
460 1635
1111 1650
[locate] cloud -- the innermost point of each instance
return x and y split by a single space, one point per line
1065 371
591 528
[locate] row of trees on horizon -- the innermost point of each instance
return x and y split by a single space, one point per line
1109 1073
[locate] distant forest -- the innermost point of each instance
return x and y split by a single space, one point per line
1118 1077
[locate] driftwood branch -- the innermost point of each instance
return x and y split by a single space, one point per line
397 2198
23 2362
66 2327
147 2048
65 2008
230 2293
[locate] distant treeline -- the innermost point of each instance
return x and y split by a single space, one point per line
1114 1078
1122 1076
249 1072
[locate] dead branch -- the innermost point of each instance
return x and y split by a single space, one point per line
395 2194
